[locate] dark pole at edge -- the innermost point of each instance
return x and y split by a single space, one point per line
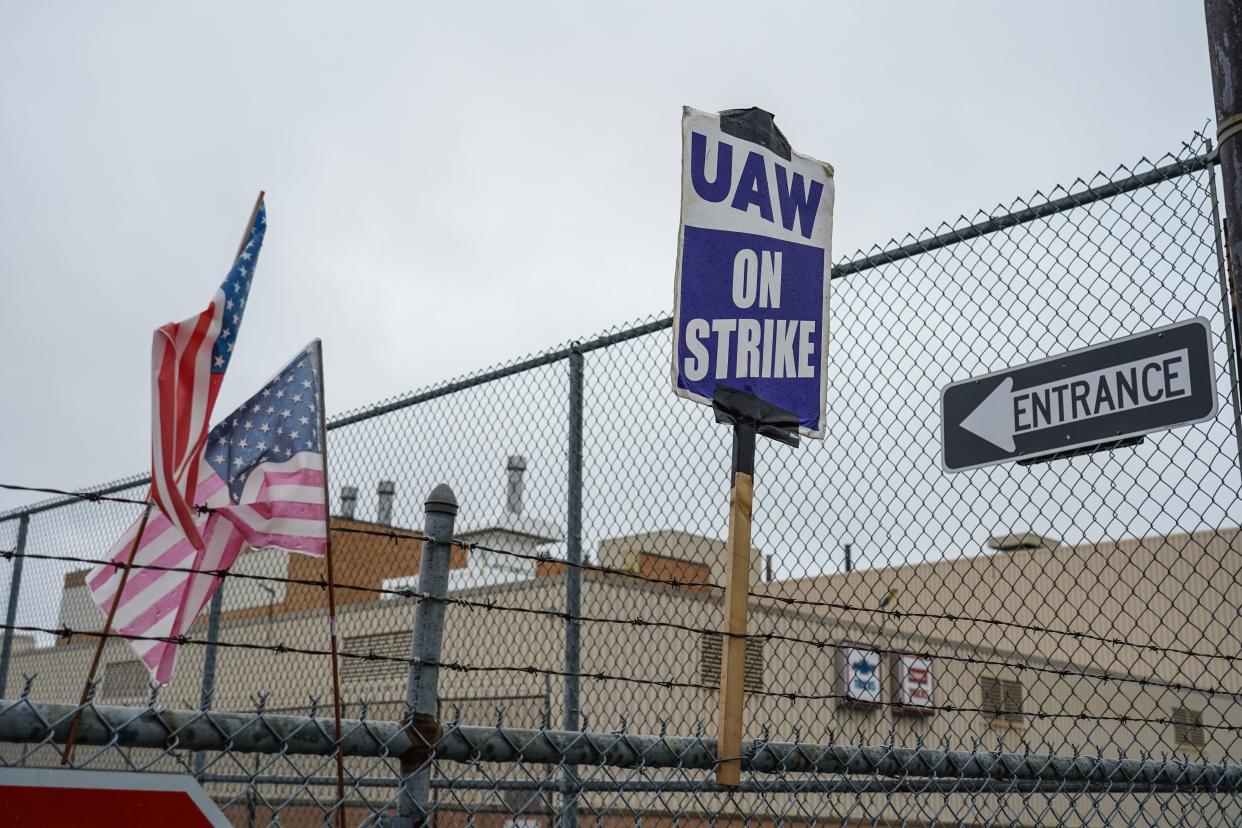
1224 34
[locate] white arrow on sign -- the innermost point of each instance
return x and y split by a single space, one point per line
1006 413
991 420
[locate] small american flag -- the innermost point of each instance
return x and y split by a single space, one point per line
262 474
188 361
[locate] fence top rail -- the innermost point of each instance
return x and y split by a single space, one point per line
926 242
25 721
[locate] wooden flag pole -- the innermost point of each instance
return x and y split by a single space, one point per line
67 754
327 557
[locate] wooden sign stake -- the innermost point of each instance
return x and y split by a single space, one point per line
737 589
749 416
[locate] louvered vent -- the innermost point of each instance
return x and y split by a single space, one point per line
1188 727
1001 699
124 681
386 646
710 658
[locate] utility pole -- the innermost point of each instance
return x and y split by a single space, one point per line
1224 31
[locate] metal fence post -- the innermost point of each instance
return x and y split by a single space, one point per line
573 582
10 616
209 669
421 700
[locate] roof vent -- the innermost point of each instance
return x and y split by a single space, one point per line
349 501
514 490
383 509
1021 542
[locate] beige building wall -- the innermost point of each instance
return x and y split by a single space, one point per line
1179 592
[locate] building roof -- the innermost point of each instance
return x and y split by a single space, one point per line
539 529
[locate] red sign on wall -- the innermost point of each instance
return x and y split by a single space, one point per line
915 684
102 799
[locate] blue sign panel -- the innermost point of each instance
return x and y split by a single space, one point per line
751 305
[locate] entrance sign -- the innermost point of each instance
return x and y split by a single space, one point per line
105 799
1096 396
753 262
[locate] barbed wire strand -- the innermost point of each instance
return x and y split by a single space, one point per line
638 621
81 495
397 535
282 649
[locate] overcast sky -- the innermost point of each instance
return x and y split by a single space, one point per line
453 185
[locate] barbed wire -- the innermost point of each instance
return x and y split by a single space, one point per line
69 633
681 583
823 644
858 608
89 496
393 534
322 584
636 621
1079 635
396 534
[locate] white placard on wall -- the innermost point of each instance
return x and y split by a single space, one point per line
916 685
862 675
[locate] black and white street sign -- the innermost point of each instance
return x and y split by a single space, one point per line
1094 396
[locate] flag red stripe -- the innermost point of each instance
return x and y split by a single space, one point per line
164 487
300 477
293 509
158 530
167 603
190 362
213 388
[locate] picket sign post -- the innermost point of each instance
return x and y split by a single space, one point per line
750 328
749 416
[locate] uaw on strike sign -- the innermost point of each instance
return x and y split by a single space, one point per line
753 262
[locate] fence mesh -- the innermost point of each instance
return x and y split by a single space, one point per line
1085 608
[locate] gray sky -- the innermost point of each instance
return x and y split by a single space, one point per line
452 186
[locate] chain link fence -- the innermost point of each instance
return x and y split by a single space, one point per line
1055 643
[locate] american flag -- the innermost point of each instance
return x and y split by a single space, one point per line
262 474
188 361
